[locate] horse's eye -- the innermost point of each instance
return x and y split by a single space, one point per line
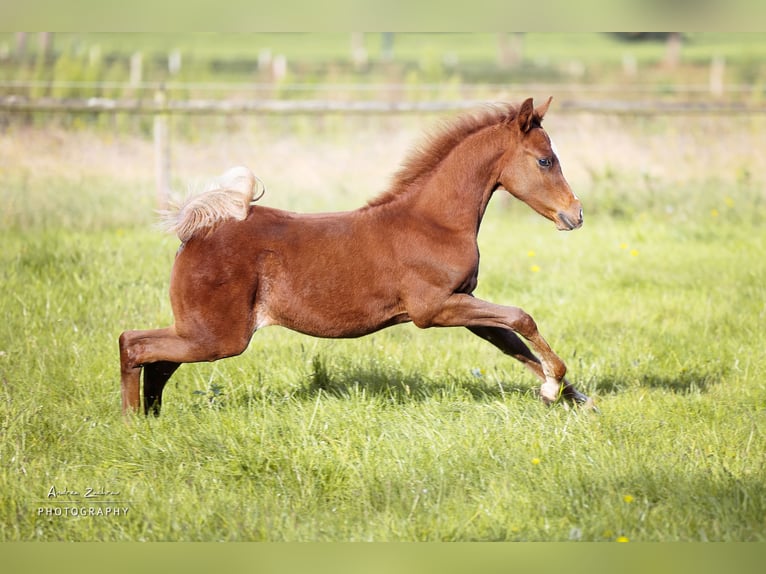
545 162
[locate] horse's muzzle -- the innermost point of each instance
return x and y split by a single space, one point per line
566 222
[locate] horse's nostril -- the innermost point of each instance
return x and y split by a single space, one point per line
569 222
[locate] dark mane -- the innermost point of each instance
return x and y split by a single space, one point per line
428 155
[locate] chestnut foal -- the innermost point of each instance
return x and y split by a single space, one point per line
408 255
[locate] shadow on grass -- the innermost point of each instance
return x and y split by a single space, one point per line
394 385
685 382
398 386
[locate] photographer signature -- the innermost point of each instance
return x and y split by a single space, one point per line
88 492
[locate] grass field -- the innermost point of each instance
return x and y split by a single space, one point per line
656 304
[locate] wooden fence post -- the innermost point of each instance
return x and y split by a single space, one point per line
135 69
358 51
162 149
673 50
174 62
717 71
629 65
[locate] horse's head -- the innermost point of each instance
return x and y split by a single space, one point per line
531 172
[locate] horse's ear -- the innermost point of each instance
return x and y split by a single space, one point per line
526 115
542 108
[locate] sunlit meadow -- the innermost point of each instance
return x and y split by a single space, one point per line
656 305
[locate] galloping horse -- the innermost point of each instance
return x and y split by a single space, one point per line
408 255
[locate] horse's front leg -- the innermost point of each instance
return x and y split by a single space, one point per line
510 344
461 310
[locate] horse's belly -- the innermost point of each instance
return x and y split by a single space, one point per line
334 329
336 313
329 277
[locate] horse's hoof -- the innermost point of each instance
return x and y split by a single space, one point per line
576 396
550 392
579 399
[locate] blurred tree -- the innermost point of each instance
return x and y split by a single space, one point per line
46 44
640 36
21 45
387 46
673 42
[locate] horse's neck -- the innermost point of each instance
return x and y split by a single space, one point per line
458 191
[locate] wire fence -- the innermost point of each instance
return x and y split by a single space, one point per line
164 106
419 87
189 98
161 101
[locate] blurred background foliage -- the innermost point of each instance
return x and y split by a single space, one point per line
116 64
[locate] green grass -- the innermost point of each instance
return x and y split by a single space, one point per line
405 435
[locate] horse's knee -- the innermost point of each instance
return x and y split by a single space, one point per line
523 323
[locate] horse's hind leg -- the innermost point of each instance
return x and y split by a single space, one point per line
150 350
511 344
155 377
160 351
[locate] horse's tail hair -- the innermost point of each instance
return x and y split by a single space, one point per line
227 197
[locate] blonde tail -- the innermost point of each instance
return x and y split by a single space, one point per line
228 197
